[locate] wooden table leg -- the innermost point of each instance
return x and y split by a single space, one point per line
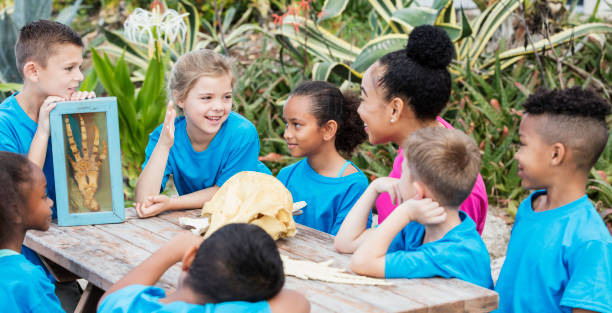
89 300
60 274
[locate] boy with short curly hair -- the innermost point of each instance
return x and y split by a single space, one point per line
560 251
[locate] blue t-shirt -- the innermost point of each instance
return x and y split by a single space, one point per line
328 199
557 260
235 148
24 287
461 254
17 130
139 298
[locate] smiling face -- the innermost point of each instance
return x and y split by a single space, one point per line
533 153
38 211
374 109
207 104
62 74
302 132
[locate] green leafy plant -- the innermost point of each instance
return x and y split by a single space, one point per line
141 110
391 26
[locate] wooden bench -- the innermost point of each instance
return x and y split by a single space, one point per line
102 254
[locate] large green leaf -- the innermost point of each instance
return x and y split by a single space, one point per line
6 87
384 8
68 13
322 70
121 42
412 17
332 8
498 13
27 11
377 48
193 23
8 68
317 40
557 39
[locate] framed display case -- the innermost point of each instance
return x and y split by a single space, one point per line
87 162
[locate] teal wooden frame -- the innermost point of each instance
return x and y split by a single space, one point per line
107 105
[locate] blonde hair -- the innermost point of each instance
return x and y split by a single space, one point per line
193 65
447 161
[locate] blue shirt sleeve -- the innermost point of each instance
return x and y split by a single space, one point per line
353 194
410 264
153 138
590 283
243 156
133 298
7 140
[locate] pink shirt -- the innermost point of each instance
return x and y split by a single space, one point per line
475 205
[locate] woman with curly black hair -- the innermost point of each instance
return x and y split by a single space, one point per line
322 126
407 90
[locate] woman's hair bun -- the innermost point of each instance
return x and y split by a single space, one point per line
430 46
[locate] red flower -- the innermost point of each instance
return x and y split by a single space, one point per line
296 26
304 5
278 19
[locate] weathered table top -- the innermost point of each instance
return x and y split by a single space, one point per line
102 254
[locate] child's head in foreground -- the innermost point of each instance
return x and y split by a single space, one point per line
238 262
23 190
201 87
318 111
562 131
49 55
441 164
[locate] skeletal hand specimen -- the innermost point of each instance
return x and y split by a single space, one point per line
255 198
324 272
86 164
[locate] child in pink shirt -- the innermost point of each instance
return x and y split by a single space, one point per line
475 205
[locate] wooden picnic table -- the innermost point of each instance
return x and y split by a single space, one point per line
102 254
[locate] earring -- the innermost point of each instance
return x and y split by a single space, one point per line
392 120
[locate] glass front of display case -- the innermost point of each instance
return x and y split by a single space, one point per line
86 149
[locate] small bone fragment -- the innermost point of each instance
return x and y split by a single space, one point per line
198 226
324 272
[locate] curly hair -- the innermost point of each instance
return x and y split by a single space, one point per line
575 117
238 262
418 74
15 178
329 103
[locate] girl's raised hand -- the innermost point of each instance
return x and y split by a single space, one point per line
167 134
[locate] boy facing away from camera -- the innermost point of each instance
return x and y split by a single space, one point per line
49 57
560 252
237 269
426 235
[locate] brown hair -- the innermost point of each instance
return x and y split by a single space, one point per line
193 65
15 182
447 161
37 42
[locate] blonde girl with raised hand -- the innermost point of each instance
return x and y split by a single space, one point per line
203 147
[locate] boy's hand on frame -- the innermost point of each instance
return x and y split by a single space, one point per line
81 95
46 108
153 206
423 211
391 186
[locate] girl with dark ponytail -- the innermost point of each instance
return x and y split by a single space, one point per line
406 90
322 125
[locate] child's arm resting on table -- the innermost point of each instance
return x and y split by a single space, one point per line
369 258
151 270
353 231
150 180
